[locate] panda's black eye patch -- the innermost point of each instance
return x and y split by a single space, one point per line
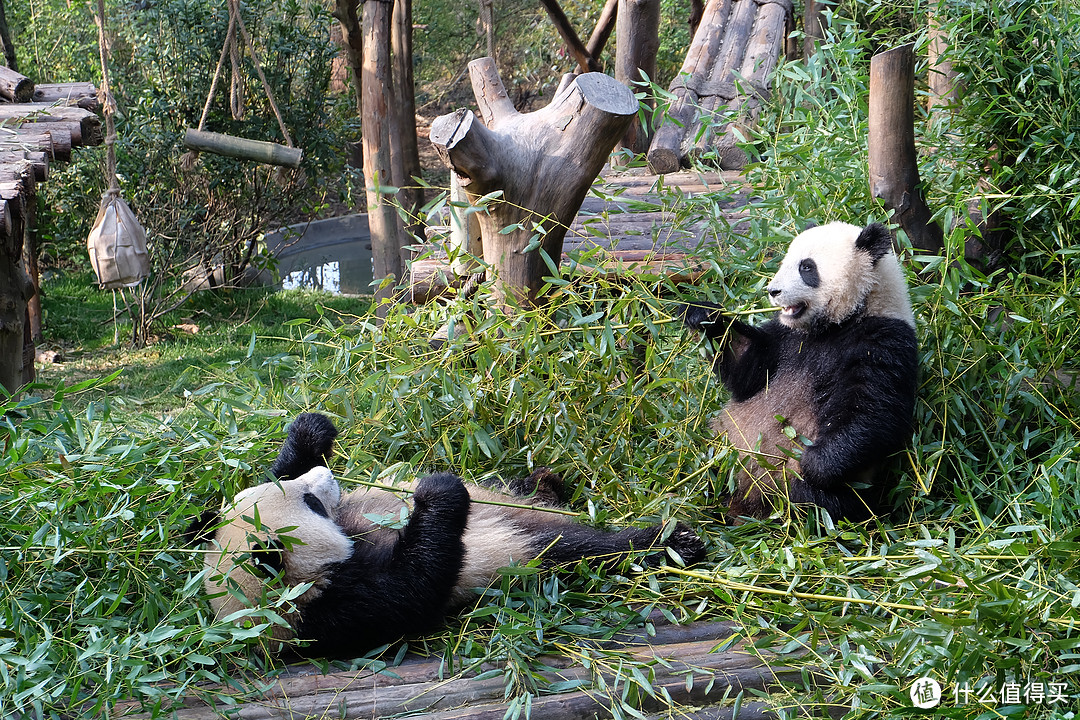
809 273
315 504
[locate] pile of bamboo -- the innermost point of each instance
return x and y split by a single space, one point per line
723 82
38 125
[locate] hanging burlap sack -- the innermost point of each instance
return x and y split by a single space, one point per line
117 245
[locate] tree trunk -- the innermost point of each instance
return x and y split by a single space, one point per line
604 25
542 163
378 167
5 40
637 40
352 37
894 169
813 27
411 196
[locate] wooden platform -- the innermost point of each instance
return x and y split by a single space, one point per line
629 219
701 667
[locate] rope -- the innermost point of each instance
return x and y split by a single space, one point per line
258 68
231 50
109 106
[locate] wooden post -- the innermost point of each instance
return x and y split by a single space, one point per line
542 163
894 169
487 25
411 195
586 62
942 79
637 40
378 168
16 287
813 27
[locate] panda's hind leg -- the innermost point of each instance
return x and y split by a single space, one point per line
308 445
571 543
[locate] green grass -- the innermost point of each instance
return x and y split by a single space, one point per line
78 322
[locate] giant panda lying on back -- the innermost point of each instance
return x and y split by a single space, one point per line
371 582
837 365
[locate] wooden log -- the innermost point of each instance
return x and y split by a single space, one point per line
39 161
605 24
637 41
757 62
422 686
55 143
894 169
80 94
14 86
242 148
85 125
586 62
541 163
666 150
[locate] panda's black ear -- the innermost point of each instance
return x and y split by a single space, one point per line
876 240
201 529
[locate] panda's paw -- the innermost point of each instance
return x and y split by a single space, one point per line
704 316
687 544
441 489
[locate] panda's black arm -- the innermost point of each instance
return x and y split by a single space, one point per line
748 355
373 599
868 415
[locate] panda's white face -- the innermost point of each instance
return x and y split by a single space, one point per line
296 518
833 272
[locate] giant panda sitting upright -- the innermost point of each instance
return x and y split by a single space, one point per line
837 366
372 582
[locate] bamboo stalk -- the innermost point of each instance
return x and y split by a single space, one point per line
242 148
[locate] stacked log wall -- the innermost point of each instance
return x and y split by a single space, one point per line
40 124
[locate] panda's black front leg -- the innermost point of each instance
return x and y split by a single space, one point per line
376 598
747 355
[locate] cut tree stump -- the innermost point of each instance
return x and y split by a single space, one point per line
530 171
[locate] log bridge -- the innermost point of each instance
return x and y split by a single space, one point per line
39 124
700 667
